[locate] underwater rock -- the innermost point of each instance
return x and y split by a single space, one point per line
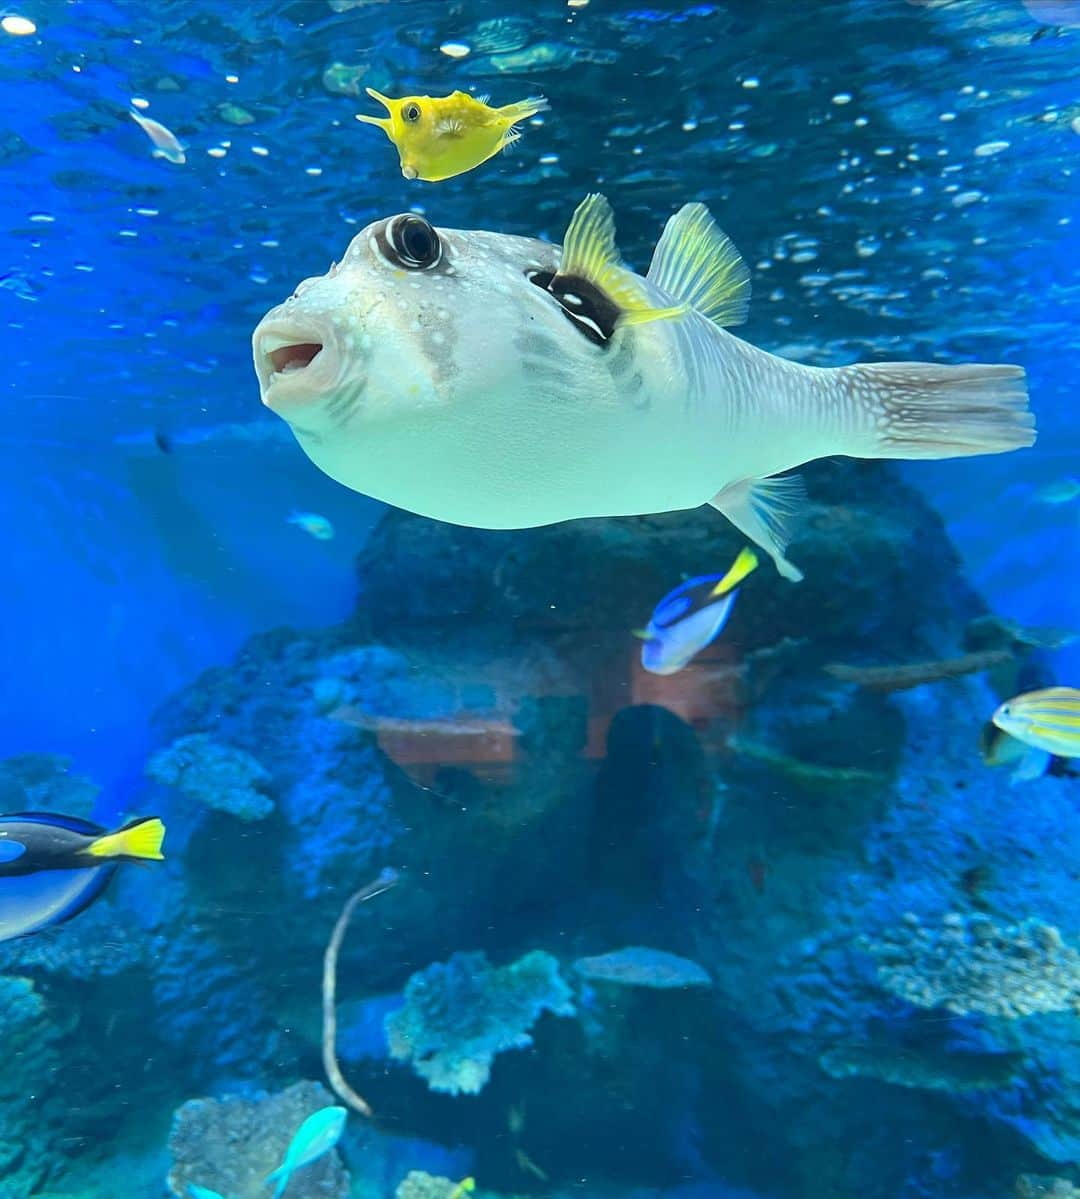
219 776
458 1015
639 966
1034 1186
901 1066
44 783
419 1185
232 1144
973 965
30 1033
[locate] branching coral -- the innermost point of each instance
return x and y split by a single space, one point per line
459 1014
232 1144
219 776
972 965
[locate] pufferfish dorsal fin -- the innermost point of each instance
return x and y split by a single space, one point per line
590 254
695 262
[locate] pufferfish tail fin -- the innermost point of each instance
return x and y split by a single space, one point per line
590 254
140 839
695 261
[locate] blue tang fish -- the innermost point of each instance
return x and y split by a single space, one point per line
318 1134
691 617
53 867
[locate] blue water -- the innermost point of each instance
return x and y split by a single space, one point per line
900 177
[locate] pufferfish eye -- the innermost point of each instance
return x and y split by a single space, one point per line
413 243
411 112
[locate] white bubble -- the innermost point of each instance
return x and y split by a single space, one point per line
17 26
842 98
987 149
455 49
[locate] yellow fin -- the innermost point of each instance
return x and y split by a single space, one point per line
740 568
589 253
523 109
641 634
464 1187
139 839
694 261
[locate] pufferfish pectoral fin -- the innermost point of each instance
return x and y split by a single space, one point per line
764 510
590 254
695 262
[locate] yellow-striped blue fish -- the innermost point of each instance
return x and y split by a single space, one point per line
1048 719
691 617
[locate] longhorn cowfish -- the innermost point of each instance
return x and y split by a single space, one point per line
504 382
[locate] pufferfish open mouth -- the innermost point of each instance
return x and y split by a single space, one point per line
286 353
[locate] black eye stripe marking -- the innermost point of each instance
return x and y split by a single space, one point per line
587 308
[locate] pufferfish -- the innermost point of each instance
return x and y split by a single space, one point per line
502 382
438 137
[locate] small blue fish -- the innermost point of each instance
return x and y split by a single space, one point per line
311 522
53 867
691 617
318 1134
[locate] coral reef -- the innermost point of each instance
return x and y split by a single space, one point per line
418 1184
231 1145
458 1015
1033 1186
31 1035
972 965
940 1070
219 776
44 782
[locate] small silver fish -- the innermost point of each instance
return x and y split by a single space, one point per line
1060 491
165 141
502 382
311 522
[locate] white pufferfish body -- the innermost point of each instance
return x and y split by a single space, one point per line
502 382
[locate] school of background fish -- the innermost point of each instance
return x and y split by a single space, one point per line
345 852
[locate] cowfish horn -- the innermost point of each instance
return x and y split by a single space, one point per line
385 101
383 123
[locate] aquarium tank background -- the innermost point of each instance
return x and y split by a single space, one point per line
460 891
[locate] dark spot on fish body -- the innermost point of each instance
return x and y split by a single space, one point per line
587 308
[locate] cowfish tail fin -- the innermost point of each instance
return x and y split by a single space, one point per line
764 510
590 253
523 109
140 839
925 410
695 261
743 565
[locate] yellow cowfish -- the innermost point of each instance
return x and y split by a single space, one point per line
438 137
1048 720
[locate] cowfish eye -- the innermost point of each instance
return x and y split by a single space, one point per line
414 243
411 111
